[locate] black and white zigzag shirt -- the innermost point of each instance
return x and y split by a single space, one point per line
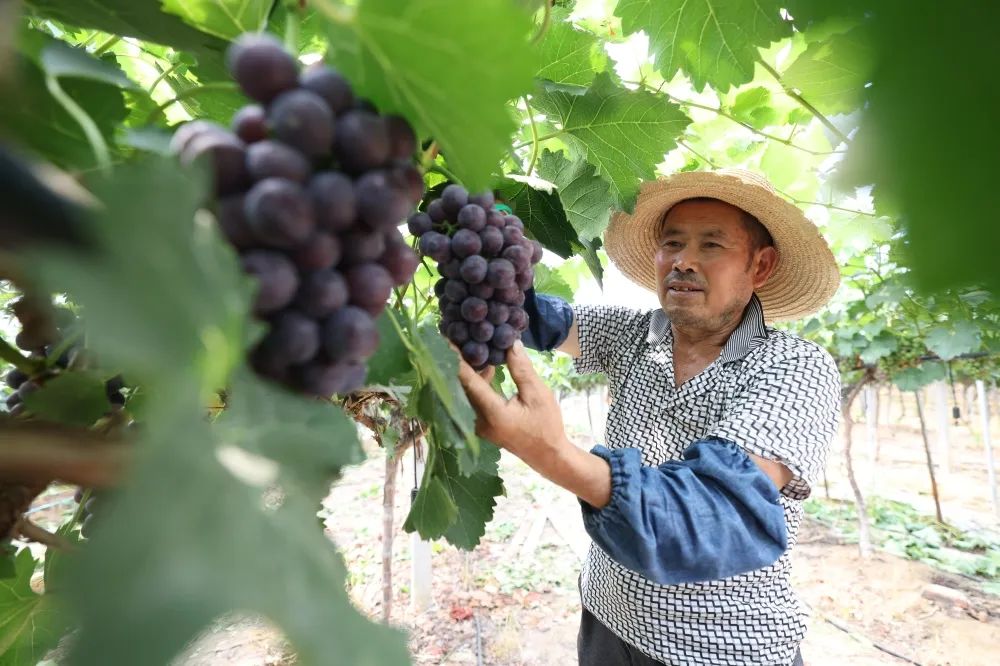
775 395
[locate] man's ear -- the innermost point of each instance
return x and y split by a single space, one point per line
764 265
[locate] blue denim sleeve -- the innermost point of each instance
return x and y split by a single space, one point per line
550 319
711 515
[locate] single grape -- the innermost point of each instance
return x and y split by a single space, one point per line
189 131
322 293
492 241
472 217
481 290
514 221
465 243
504 336
329 85
349 334
250 123
497 356
500 273
361 141
526 279
370 285
230 213
12 400
302 119
457 332
293 339
279 212
277 279
439 287
474 309
453 197
408 177
475 353
494 218
334 202
512 236
435 210
326 379
402 140
382 204
419 224
451 311
362 246
322 250
510 295
450 269
481 331
536 252
436 246
485 200
518 257
456 290
225 154
498 313
273 159
400 261
518 318
473 269
15 378
27 388
261 66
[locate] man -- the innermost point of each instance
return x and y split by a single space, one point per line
717 428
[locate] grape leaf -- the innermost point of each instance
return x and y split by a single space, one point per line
753 107
64 61
569 56
548 281
474 495
882 345
831 74
433 510
542 214
32 623
223 18
913 379
625 134
445 67
161 290
392 360
585 196
144 588
73 398
712 41
947 342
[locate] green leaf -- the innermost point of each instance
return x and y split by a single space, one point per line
64 61
163 293
73 398
145 587
753 107
569 56
880 347
712 41
30 624
474 495
831 74
947 342
223 18
548 281
625 134
593 260
392 360
541 212
585 196
912 379
433 510
447 68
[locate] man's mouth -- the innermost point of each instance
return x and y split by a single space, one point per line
683 288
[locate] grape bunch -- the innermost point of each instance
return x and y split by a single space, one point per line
311 185
486 263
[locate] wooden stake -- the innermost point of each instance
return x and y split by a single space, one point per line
943 416
984 416
420 563
864 531
930 461
871 431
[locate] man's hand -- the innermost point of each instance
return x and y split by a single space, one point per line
530 426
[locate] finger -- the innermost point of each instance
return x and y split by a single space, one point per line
528 383
488 373
483 398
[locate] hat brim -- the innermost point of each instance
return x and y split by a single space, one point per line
806 275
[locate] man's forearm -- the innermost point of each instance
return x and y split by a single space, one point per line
582 473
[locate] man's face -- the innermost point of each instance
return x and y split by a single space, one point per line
706 269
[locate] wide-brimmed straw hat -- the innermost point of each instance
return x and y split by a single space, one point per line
806 275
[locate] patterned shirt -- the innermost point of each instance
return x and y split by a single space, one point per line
773 394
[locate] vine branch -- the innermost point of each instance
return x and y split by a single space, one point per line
546 21
38 534
90 130
40 452
804 103
534 133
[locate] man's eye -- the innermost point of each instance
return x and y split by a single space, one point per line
671 244
712 245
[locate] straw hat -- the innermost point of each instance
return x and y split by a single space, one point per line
806 275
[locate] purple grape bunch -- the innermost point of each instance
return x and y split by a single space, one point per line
311 185
486 264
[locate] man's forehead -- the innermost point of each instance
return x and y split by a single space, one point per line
708 228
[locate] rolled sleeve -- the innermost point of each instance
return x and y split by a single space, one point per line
712 515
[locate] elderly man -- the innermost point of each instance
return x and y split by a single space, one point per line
718 425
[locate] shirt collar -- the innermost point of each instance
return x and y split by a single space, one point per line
750 332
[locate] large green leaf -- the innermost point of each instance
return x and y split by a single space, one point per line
74 398
475 496
64 61
915 378
712 41
392 361
569 56
831 74
548 281
162 294
146 587
585 196
962 337
623 133
223 18
542 214
30 624
447 66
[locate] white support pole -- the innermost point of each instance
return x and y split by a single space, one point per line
943 438
984 415
871 431
420 563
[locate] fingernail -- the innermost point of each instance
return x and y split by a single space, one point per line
519 346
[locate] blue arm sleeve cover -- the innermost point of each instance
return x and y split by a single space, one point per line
549 321
711 515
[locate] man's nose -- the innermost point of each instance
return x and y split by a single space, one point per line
683 260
